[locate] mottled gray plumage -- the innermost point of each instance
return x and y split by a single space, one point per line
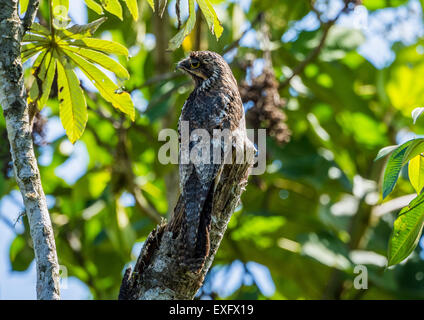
215 103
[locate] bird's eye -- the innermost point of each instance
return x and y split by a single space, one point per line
195 64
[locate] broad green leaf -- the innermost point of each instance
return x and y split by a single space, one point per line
406 231
23 5
416 173
113 6
105 46
101 59
394 164
133 8
73 107
416 113
414 149
211 18
93 5
110 91
385 151
176 41
152 4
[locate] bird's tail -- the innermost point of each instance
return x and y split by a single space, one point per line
196 223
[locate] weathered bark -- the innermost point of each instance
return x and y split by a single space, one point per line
15 110
158 273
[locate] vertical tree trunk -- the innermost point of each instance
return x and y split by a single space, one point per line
15 110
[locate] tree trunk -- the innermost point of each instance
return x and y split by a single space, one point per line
15 110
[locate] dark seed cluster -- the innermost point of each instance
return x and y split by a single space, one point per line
267 107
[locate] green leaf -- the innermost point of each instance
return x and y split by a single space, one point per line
385 151
416 113
73 107
178 39
414 149
113 6
93 5
105 46
416 172
101 59
391 173
211 18
406 231
152 4
133 8
23 6
110 92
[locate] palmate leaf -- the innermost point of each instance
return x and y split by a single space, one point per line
99 45
108 90
407 230
74 47
44 70
101 59
72 104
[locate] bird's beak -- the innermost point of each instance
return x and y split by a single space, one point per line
182 65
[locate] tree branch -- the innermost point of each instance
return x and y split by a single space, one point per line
316 51
15 110
30 15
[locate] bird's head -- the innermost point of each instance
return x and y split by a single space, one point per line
205 67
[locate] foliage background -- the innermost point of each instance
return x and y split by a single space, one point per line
304 224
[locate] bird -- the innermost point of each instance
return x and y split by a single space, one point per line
214 104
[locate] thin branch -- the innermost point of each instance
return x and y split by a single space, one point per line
316 51
30 15
236 42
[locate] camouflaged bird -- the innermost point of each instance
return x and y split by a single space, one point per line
215 103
